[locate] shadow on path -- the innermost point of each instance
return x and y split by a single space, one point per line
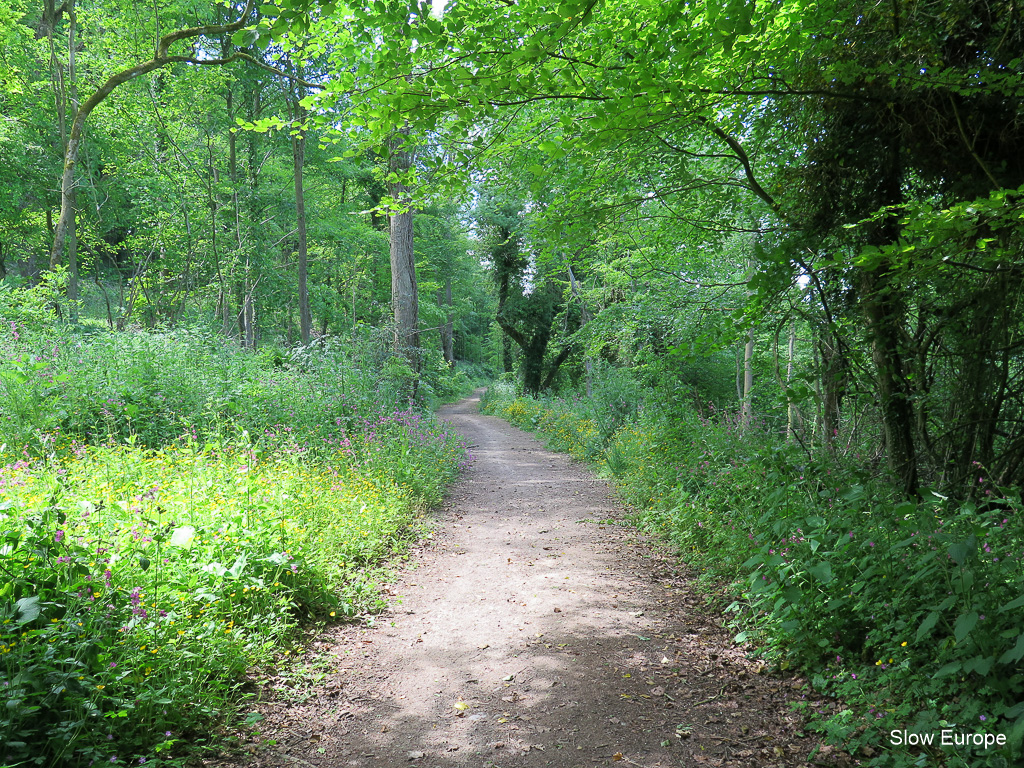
533 631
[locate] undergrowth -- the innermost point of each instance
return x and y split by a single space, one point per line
908 613
171 511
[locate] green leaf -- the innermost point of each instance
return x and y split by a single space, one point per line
244 38
29 609
949 669
821 571
965 622
1012 604
928 624
979 664
236 570
961 551
1015 654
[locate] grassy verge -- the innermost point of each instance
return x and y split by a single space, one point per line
908 613
171 511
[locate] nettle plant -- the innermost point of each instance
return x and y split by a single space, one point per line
909 612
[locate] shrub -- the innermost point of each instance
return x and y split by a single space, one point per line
186 507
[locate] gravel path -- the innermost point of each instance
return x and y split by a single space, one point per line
532 630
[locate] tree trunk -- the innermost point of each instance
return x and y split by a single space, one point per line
882 313
792 413
882 302
298 155
747 407
404 299
588 364
506 353
533 363
448 327
72 94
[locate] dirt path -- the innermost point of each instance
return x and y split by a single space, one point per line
529 632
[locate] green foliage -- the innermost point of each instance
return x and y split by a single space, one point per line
174 534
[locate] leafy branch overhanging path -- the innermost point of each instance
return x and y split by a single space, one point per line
530 631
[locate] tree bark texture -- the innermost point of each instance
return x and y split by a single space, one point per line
298 155
448 327
404 297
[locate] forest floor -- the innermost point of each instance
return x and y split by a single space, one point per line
530 629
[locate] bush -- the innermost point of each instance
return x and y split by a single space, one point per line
179 509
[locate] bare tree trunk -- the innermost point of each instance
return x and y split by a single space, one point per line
448 326
249 315
747 407
72 93
588 364
404 297
739 376
792 412
298 158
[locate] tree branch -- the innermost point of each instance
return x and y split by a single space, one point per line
162 58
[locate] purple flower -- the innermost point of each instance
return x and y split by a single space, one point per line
58 536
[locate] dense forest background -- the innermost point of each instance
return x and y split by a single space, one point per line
760 262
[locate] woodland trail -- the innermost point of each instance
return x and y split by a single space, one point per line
529 631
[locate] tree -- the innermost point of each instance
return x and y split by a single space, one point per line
404 295
529 296
162 57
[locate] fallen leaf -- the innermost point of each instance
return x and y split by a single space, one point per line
617 756
461 706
